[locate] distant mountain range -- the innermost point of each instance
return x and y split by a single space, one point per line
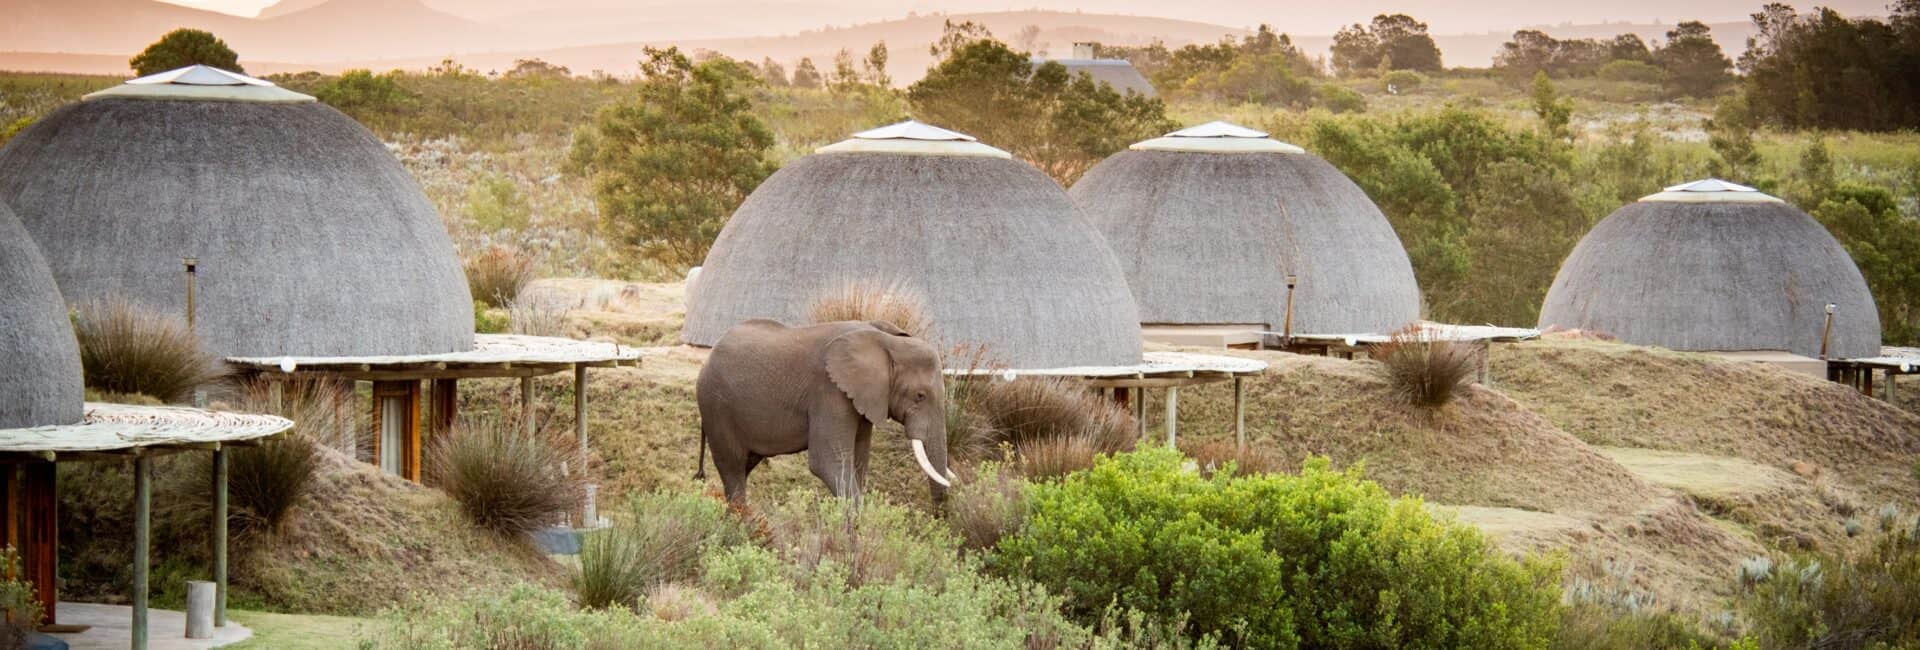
96 36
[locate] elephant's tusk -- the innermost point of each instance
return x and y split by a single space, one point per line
920 454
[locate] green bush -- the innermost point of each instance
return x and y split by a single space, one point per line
1863 598
1402 81
1625 70
1340 99
1322 559
660 541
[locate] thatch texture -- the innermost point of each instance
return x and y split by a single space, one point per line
311 238
1209 238
40 383
1714 276
992 245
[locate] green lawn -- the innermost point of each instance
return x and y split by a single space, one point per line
299 631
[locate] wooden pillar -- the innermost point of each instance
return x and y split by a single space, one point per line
526 404
1240 412
443 406
39 531
1891 382
1140 409
1486 361
142 540
1866 381
580 410
1120 397
219 535
1173 414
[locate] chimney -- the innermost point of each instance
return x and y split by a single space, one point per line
1083 50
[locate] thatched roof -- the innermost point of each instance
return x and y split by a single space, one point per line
1208 222
1118 73
311 238
39 363
1714 266
993 247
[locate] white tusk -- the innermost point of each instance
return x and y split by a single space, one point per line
920 454
951 477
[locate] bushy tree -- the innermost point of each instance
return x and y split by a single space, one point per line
537 69
773 73
805 75
184 47
1730 135
1868 222
1390 42
1693 62
669 167
1262 68
1059 122
1533 51
1555 112
1824 70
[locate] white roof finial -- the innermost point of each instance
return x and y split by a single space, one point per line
1711 190
1217 137
914 138
911 130
202 83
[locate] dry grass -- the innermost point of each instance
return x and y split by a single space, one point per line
1425 371
985 506
891 302
1215 454
127 348
658 542
507 481
1052 426
532 316
497 275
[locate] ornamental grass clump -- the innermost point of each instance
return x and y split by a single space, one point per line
1423 370
497 275
1336 562
658 542
129 349
506 480
1052 426
893 303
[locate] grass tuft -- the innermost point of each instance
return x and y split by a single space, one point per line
507 481
986 507
128 349
497 275
659 543
893 303
1053 426
1422 370
1215 454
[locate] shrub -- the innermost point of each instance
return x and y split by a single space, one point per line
506 480
1054 426
1859 598
986 507
126 348
487 321
1340 99
19 607
893 303
1213 455
874 544
497 275
531 316
1423 370
1625 70
660 541
1596 627
1336 561
1400 81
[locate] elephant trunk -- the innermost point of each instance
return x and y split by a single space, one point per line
926 464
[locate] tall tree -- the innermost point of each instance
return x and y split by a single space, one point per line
1061 123
669 167
805 75
184 47
1693 62
774 73
1390 42
875 66
1825 70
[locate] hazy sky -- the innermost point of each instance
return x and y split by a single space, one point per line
1445 16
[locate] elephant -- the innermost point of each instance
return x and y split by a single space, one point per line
768 389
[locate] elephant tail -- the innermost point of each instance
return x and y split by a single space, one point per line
700 470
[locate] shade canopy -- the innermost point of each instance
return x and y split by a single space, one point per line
40 385
991 245
1209 222
1715 266
310 237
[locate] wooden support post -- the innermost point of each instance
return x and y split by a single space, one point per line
40 528
1486 361
1866 382
443 407
1140 409
1240 412
580 410
1173 414
276 394
219 537
526 403
142 540
1891 382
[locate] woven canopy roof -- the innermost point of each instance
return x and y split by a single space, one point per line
119 427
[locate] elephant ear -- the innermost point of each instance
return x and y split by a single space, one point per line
860 365
887 327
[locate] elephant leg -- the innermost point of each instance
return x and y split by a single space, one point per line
862 441
830 451
733 464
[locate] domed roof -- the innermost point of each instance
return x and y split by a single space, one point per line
992 245
1209 221
41 385
1712 265
312 240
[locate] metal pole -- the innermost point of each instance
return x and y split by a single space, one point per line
1286 337
1240 412
1826 331
526 403
142 539
192 265
1173 413
220 536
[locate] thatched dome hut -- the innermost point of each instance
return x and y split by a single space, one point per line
1209 221
991 245
1714 266
311 238
41 384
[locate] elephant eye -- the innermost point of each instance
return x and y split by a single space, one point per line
920 397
